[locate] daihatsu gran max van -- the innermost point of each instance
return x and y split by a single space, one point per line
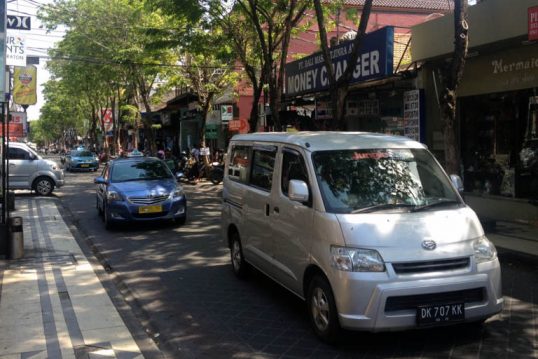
367 228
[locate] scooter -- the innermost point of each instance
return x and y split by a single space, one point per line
216 175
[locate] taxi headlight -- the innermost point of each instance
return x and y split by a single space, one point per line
484 250
112 196
178 192
356 259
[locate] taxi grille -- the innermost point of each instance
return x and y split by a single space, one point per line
148 200
407 302
431 266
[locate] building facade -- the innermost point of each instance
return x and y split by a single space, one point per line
497 98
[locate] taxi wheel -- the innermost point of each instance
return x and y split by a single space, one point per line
106 218
322 309
99 210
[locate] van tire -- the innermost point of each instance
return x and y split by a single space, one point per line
322 310
239 265
43 186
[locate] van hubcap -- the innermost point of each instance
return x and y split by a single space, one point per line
236 255
320 309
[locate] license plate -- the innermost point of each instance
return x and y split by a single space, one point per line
150 209
85 165
442 313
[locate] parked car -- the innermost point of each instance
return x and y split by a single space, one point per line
139 189
28 170
367 228
81 160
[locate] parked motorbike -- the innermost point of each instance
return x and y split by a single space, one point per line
216 175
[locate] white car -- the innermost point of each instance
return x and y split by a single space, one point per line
28 170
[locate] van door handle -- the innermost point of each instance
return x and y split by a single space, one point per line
267 209
276 210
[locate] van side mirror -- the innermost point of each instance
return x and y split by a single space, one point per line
298 191
31 156
457 183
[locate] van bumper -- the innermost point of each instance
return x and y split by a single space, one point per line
367 303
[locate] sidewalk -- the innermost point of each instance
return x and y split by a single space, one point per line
52 302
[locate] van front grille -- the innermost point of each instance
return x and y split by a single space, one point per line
431 266
407 302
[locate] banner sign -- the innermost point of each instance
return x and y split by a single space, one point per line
2 49
15 50
15 130
533 23
413 115
25 85
375 61
18 22
106 120
20 118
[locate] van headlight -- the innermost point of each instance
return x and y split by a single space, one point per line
356 259
484 250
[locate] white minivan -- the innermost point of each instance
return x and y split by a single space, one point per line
367 228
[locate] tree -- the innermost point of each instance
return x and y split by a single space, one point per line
451 76
121 70
339 87
273 22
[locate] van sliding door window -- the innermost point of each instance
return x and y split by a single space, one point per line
263 164
240 163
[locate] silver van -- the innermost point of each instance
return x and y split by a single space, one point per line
28 170
367 228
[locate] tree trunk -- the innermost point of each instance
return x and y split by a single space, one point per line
339 87
450 78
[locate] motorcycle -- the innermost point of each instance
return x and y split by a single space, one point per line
216 175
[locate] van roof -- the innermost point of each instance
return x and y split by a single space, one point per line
323 140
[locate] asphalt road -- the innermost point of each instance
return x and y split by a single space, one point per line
181 282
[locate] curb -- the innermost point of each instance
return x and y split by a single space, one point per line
136 318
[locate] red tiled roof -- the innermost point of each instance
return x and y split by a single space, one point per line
444 5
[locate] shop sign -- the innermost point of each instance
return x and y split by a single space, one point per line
375 61
240 126
412 114
533 23
211 131
226 113
15 49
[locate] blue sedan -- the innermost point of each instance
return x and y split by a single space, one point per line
81 160
139 189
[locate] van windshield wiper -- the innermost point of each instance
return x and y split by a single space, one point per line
444 202
381 206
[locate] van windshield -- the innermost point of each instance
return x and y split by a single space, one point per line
354 181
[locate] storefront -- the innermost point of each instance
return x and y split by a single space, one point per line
496 107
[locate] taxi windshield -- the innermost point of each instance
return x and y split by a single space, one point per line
353 181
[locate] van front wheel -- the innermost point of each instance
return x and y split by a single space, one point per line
322 309
239 265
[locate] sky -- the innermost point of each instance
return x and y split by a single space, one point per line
37 43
